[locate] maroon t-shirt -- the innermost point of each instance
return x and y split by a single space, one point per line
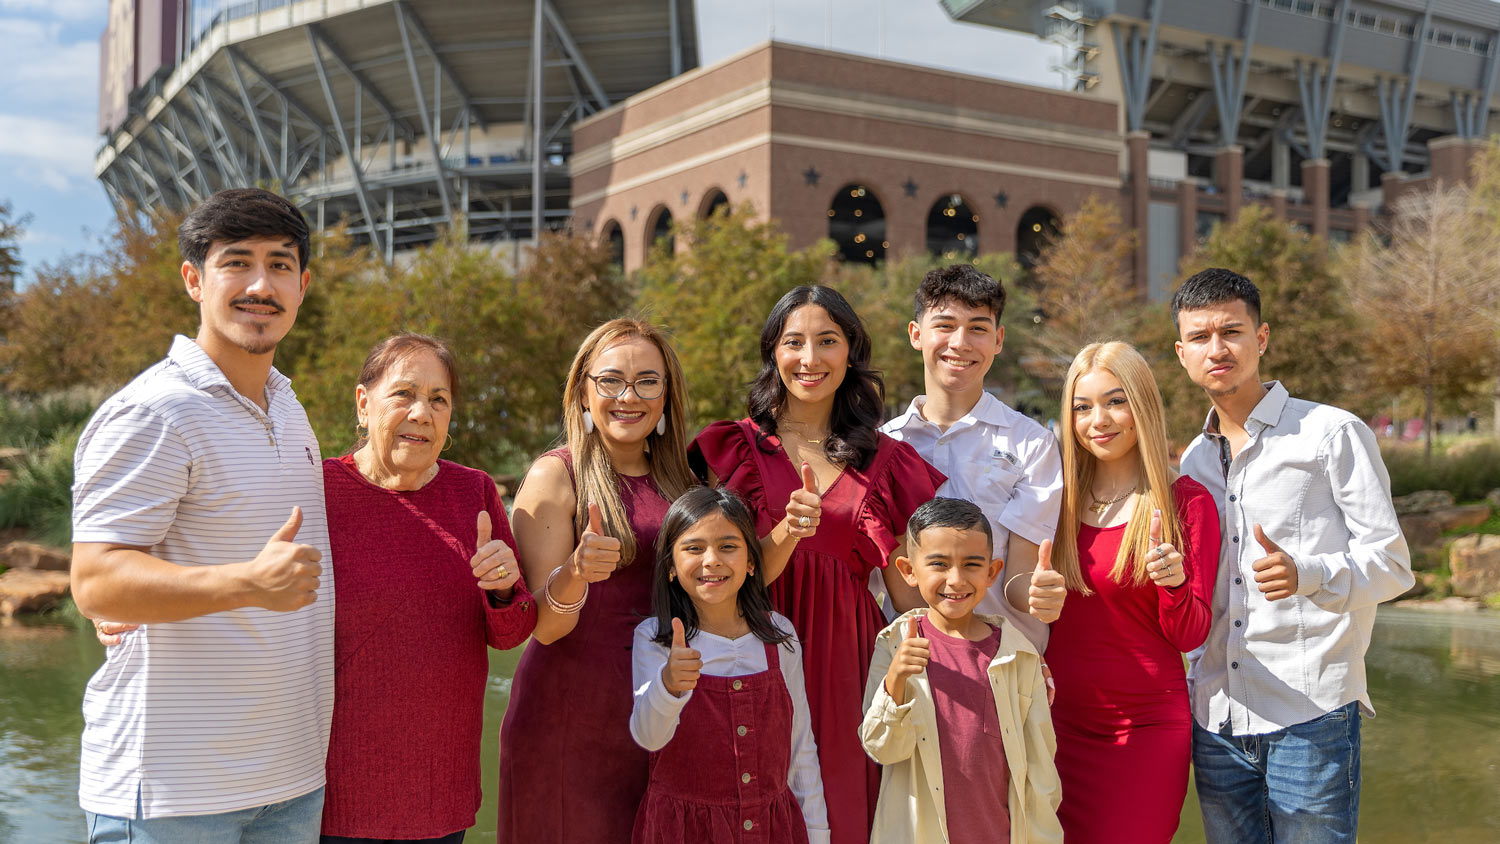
976 777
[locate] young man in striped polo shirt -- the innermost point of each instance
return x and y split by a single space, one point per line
198 518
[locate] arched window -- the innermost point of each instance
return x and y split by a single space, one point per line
615 237
712 203
952 228
660 227
856 223
1037 228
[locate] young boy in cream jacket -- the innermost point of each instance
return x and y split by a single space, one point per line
956 705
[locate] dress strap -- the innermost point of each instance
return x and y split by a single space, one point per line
773 657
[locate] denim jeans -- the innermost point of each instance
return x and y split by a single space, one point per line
1300 784
295 821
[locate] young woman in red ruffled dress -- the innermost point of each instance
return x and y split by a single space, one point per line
814 410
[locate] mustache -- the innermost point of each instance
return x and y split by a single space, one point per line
256 300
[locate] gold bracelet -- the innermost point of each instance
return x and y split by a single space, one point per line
557 606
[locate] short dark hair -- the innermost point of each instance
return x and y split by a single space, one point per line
953 513
960 283
241 214
1213 286
859 404
668 598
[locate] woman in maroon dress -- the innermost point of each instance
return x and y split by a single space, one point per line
1139 552
586 521
815 405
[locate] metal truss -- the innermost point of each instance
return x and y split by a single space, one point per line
1136 52
1396 99
336 155
1230 73
1068 26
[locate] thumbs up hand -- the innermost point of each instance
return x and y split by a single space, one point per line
684 664
1044 600
1276 572
494 563
805 506
910 660
1163 561
597 553
284 575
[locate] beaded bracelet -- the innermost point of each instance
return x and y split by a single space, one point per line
557 606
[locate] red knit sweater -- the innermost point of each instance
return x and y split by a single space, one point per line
411 626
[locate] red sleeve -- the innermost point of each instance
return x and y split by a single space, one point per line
728 448
1186 611
510 624
902 483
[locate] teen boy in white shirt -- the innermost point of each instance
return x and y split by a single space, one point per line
993 456
1311 545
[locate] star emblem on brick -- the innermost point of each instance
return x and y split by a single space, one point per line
743 178
633 211
910 187
1001 199
811 176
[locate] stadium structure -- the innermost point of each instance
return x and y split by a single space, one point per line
398 115
523 114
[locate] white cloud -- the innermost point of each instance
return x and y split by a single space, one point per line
39 68
66 148
73 10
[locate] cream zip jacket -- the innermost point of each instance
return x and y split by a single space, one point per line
903 738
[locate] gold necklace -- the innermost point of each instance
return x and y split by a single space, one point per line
807 439
1101 506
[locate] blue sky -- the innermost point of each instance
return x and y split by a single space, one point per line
49 72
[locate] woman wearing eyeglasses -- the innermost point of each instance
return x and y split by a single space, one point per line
585 522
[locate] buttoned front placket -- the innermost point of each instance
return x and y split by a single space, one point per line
1239 531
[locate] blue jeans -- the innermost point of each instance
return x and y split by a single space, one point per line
295 821
1300 784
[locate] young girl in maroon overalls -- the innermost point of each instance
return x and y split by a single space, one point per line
732 752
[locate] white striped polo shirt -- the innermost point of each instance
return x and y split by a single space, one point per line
226 711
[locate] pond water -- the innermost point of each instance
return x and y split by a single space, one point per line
1431 758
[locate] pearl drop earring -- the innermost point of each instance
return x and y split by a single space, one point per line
588 422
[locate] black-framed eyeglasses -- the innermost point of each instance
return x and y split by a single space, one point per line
613 386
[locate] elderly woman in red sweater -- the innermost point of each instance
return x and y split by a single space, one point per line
425 579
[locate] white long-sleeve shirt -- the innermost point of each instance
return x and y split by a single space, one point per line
1311 476
653 720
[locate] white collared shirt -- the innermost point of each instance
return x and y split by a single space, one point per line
1003 461
1311 476
654 718
225 711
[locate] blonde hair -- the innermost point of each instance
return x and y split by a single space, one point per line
594 477
1079 464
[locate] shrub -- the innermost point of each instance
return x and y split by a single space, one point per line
39 496
1469 473
32 423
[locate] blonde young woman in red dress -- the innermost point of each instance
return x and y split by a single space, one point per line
1139 551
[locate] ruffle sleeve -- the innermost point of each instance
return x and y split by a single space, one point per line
728 450
900 482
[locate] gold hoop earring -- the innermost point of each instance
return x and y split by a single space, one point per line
449 444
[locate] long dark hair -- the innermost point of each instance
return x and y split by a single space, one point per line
669 600
859 402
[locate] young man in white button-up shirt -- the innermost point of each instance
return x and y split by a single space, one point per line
200 541
993 456
1311 546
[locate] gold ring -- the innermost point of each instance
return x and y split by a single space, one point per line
804 521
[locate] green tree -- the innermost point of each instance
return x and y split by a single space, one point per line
883 296
1084 289
10 245
1315 349
714 293
1428 299
512 337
